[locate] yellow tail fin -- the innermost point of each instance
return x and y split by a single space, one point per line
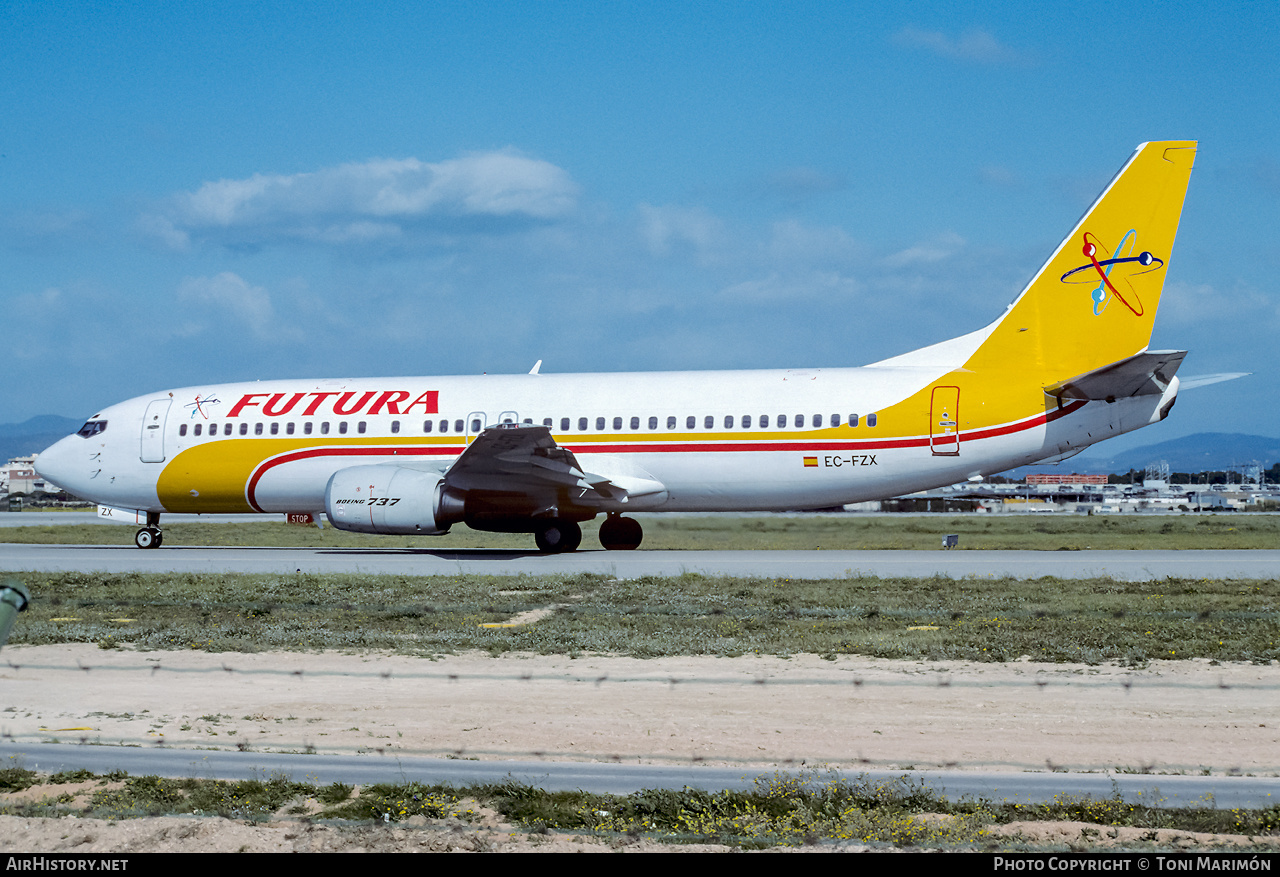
1094 302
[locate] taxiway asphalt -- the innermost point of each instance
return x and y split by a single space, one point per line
623 779
955 564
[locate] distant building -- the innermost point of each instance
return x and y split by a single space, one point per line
1073 478
19 476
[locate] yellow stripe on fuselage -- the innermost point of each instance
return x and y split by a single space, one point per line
213 477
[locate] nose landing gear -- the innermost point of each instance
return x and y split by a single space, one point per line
150 536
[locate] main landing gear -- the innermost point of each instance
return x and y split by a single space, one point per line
617 533
557 536
620 534
150 536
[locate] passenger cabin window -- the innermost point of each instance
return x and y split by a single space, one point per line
690 422
835 419
457 426
746 421
444 426
342 427
546 421
306 427
653 423
853 420
564 424
395 427
671 422
182 430
582 424
871 420
617 423
275 427
817 420
635 423
475 424
360 427
599 423
764 421
782 421
289 428
709 422
324 428
728 421
196 431
257 428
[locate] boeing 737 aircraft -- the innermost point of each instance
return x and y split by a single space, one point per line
1065 366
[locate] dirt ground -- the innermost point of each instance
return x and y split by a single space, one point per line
1174 716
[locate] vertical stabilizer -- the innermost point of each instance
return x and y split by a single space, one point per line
1094 302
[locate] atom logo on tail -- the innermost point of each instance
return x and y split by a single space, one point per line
1122 263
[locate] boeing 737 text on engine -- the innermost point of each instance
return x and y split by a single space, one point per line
1065 366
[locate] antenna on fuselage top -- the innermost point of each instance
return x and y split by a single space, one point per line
537 365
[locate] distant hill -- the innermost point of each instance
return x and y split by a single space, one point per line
1201 452
34 435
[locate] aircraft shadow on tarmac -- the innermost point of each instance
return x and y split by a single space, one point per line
441 554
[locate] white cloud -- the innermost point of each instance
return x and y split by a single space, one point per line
828 286
664 227
974 45
377 200
1000 176
1203 305
792 240
799 183
944 246
228 292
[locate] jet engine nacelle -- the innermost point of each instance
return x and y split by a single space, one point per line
390 500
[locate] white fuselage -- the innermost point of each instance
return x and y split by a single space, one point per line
715 441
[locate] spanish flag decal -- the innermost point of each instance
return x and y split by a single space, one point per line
811 461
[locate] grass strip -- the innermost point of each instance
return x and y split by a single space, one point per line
1090 621
809 808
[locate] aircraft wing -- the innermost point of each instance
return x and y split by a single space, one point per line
1143 374
526 459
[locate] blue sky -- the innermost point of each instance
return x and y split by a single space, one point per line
195 193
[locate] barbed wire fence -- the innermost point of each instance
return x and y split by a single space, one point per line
1116 690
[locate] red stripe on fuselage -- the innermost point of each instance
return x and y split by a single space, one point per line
654 447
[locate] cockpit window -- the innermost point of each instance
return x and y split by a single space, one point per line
91 428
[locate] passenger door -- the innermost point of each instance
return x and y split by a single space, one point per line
153 430
944 422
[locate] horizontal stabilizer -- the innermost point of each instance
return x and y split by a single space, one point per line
1205 380
1143 374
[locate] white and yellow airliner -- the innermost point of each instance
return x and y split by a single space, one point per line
1065 366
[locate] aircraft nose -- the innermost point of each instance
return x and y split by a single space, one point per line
58 463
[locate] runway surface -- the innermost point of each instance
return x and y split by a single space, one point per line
622 779
957 564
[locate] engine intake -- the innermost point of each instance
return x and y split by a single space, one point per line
390 500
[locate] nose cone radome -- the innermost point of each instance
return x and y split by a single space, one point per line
61 465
